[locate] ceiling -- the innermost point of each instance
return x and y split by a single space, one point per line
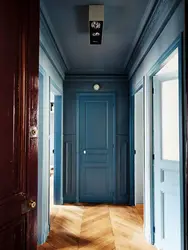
70 22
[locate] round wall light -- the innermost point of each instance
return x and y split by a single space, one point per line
96 87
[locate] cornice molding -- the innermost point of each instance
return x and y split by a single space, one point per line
49 42
142 23
161 12
95 78
96 71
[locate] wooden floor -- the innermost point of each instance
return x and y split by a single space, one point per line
96 227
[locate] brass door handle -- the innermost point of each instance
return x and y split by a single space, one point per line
32 204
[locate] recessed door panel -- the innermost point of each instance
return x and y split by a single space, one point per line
96 124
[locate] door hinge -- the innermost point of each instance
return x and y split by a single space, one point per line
134 151
153 157
153 91
153 229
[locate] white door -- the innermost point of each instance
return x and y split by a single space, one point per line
139 147
166 162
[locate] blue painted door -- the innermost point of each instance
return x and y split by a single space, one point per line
96 148
167 162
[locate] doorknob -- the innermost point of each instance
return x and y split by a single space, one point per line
33 132
32 204
84 151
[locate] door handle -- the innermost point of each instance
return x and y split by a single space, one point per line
32 204
84 152
28 205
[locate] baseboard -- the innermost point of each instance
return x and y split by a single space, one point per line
147 235
44 235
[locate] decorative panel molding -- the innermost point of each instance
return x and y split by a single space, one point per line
69 171
122 178
99 77
158 18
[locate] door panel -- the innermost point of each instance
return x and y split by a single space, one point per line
96 130
166 163
18 96
13 236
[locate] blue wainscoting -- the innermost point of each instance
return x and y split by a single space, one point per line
74 85
58 172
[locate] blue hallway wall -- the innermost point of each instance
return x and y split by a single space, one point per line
80 84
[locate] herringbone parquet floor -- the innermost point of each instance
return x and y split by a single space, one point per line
96 227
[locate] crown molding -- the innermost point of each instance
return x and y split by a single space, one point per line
49 41
142 23
160 13
95 77
97 71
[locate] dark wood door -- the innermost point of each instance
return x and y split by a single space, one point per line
19 48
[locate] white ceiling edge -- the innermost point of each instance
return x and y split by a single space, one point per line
139 30
51 27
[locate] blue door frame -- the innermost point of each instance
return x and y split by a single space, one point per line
177 44
139 86
77 141
46 85
58 143
41 228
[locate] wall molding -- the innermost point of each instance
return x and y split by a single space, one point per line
160 14
49 44
95 77
134 88
140 28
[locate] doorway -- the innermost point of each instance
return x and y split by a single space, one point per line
51 155
50 177
96 147
56 144
139 150
167 155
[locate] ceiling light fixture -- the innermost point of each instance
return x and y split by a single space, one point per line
96 19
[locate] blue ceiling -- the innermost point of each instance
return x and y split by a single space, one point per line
70 22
